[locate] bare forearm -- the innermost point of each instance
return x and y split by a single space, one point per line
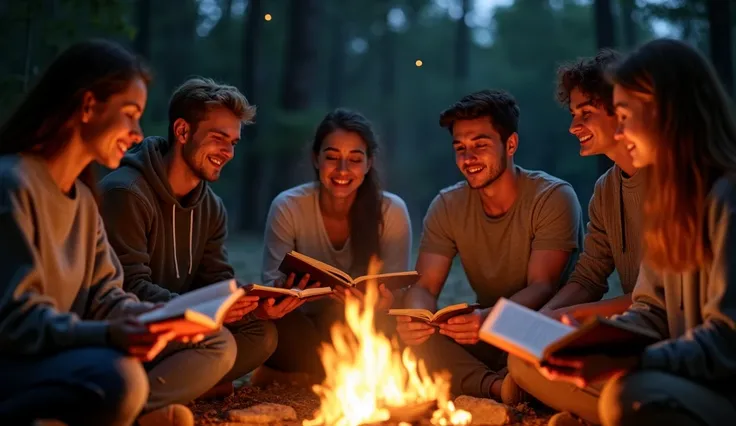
571 294
533 296
418 297
604 308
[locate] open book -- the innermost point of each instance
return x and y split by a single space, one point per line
329 276
438 317
534 337
277 293
199 311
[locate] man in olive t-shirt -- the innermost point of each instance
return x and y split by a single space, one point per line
517 233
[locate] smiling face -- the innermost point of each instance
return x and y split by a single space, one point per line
591 124
110 128
212 145
636 115
479 152
342 163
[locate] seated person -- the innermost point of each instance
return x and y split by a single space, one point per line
614 229
343 218
516 231
166 223
676 120
71 349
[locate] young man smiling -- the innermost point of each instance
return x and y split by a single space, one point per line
168 227
516 231
612 240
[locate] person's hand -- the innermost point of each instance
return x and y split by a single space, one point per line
241 308
583 370
269 309
130 336
411 332
463 328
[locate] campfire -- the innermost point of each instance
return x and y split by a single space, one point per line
369 380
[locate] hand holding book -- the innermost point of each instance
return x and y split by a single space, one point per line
273 308
242 307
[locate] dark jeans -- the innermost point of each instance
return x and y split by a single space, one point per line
101 386
474 368
256 340
301 333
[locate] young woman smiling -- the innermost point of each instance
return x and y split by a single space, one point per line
343 219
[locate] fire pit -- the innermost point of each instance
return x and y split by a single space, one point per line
370 381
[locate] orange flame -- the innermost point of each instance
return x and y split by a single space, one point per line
367 375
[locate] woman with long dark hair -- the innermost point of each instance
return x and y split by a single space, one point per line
677 122
70 347
343 218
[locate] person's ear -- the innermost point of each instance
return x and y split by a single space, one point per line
181 131
88 106
512 144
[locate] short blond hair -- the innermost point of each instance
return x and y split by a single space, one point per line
192 100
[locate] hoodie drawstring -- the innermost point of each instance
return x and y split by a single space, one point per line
173 235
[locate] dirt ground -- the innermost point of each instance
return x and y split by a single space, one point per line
305 403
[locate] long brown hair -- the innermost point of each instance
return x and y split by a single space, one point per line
366 214
39 122
695 145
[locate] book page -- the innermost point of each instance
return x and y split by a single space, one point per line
321 265
386 275
310 292
415 313
448 309
178 305
522 327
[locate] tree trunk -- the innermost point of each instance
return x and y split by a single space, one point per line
628 23
251 205
719 20
605 38
143 36
337 61
462 51
387 90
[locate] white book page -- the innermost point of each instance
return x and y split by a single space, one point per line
178 305
327 268
523 327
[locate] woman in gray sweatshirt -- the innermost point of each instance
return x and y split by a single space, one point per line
70 348
676 120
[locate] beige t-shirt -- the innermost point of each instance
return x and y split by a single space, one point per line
495 251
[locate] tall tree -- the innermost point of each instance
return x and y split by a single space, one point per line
719 20
143 35
387 85
251 210
462 50
605 38
628 23
336 66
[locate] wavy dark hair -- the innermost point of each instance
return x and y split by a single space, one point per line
695 145
39 123
366 213
498 106
589 76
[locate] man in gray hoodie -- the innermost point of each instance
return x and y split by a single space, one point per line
165 222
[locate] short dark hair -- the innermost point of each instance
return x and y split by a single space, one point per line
589 76
197 96
499 106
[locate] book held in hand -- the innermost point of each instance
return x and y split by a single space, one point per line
329 276
277 293
535 337
199 311
438 317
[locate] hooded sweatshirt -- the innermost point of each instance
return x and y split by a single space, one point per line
695 312
166 245
59 278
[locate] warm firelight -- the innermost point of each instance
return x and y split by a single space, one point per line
367 375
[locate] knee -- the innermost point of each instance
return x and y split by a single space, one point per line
270 339
123 385
222 346
629 400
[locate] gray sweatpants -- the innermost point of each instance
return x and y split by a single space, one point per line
645 397
101 386
474 368
256 340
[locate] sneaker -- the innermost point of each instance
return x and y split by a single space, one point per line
565 419
511 393
171 415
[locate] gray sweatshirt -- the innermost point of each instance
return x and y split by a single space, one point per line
695 312
58 275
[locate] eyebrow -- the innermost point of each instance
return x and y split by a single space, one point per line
355 151
589 102
223 134
133 104
474 138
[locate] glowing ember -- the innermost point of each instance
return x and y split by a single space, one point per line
367 377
